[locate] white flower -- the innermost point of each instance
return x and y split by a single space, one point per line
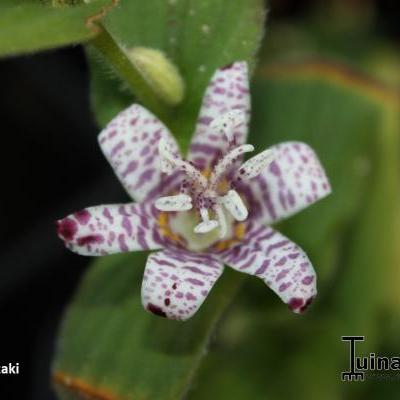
206 211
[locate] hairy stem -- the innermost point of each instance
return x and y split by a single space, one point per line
114 54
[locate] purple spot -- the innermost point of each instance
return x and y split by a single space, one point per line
249 262
164 263
277 245
156 310
141 238
295 303
145 177
284 286
130 168
197 270
313 186
281 262
263 268
195 281
117 148
108 215
123 212
82 216
307 280
281 275
90 239
189 296
291 199
203 148
274 168
307 303
167 302
126 224
219 90
67 228
293 256
205 120
145 151
112 134
121 242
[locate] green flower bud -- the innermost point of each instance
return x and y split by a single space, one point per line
159 73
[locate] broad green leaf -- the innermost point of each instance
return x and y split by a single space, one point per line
346 118
317 104
30 26
110 348
197 36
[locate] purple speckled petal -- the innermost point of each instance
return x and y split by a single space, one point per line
102 230
280 263
130 143
228 90
292 182
176 282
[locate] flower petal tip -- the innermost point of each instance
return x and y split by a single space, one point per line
160 311
156 310
299 305
233 65
66 229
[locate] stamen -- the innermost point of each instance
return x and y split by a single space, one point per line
226 123
169 160
234 204
223 165
180 202
222 221
253 166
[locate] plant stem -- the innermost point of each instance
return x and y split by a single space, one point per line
125 69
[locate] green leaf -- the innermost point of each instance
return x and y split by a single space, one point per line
321 104
197 36
30 26
110 348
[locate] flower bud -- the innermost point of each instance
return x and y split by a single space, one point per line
159 73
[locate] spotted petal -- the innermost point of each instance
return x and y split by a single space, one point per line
290 183
228 90
176 282
280 263
110 229
130 143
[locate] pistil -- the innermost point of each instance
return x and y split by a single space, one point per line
203 194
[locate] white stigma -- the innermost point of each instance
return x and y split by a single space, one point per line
207 225
180 202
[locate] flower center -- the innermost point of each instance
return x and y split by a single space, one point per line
210 202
